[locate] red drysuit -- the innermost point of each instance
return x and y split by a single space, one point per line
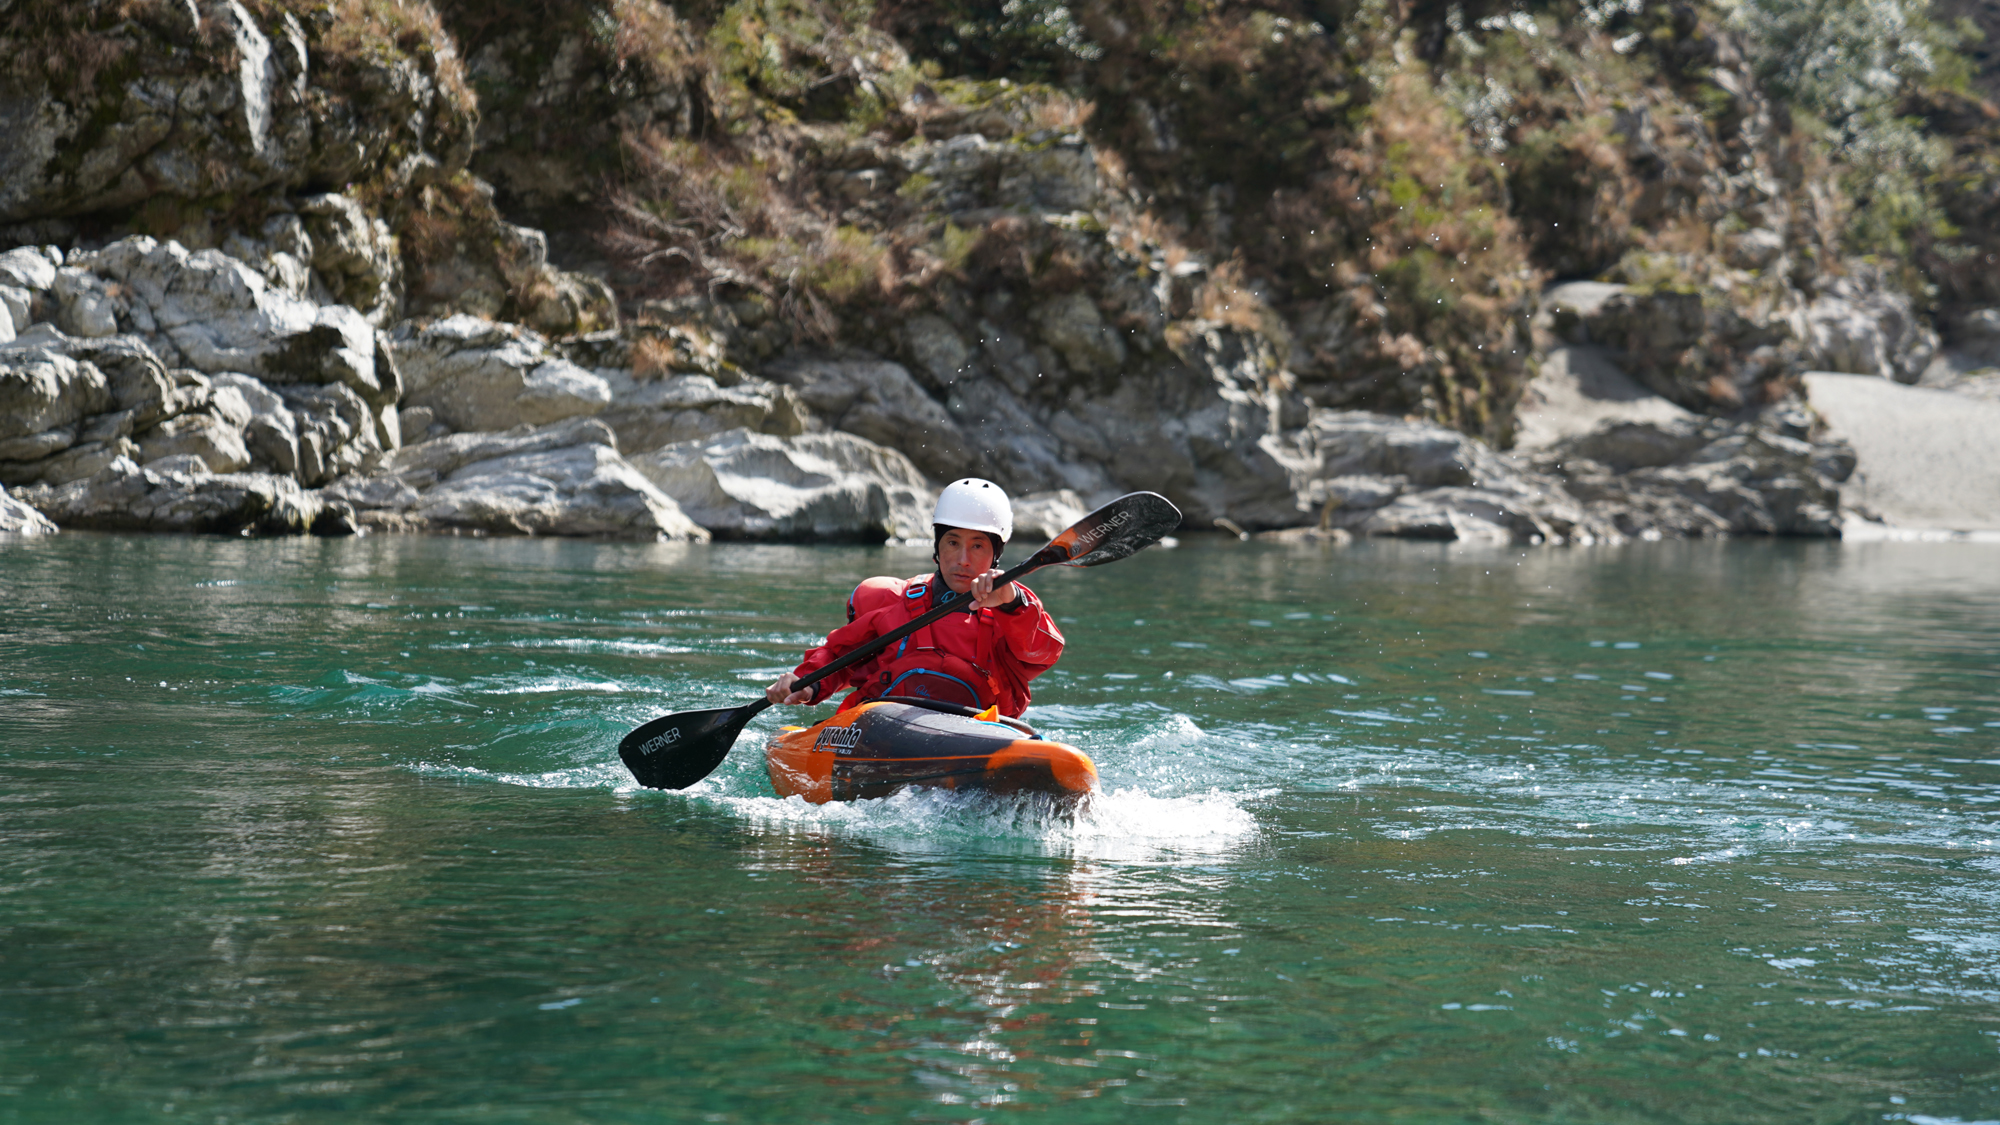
980 659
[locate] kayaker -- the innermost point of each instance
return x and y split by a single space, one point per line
981 658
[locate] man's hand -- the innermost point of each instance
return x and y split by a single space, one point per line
986 597
781 692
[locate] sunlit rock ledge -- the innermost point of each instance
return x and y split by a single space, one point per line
149 387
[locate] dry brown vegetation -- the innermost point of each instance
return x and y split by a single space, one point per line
1379 188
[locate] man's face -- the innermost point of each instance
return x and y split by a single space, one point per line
964 556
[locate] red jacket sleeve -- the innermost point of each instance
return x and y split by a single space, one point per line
1028 637
1028 644
839 643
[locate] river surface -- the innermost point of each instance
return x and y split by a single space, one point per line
335 830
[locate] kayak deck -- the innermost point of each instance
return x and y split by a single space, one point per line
882 746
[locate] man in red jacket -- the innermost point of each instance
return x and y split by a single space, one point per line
981 658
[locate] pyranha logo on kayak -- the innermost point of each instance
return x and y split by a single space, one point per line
840 740
660 741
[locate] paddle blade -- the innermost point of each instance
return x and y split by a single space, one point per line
675 751
1118 530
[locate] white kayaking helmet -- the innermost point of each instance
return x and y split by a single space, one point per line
975 505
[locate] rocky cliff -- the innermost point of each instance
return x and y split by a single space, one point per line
1541 273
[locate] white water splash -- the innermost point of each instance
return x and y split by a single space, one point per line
1124 825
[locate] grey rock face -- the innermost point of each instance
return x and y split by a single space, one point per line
86 309
562 479
1071 324
880 401
203 434
649 413
216 314
271 431
353 254
476 374
125 497
746 485
221 102
1204 424
1045 515
1701 478
16 312
1460 514
970 173
585 490
43 395
937 349
1713 347
121 401
1376 475
1863 324
28 268
1578 389
18 518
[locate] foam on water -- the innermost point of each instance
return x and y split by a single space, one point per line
1138 823
1125 825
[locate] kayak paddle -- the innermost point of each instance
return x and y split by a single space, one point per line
677 750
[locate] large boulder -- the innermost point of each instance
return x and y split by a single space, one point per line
124 496
27 282
1577 389
1470 514
20 518
43 395
30 268
142 388
649 413
1045 515
322 405
1862 323
337 433
806 487
214 313
578 490
480 375
880 401
1690 478
1377 475
119 390
271 432
566 478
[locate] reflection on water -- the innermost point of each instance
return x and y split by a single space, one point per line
312 831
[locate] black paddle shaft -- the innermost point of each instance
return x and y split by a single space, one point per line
675 751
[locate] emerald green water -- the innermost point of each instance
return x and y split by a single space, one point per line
331 831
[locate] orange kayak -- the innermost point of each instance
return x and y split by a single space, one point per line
885 745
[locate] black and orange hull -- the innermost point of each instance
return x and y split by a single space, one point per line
880 747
